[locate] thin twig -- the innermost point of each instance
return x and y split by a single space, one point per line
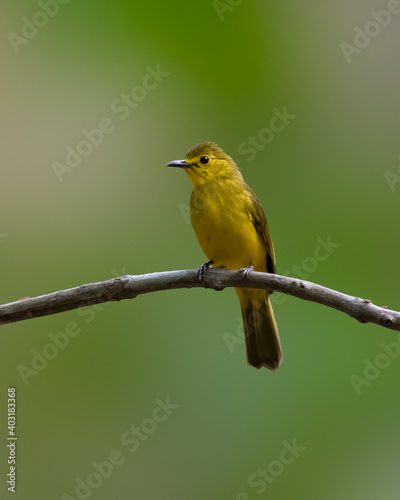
128 287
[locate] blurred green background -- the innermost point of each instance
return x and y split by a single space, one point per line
223 70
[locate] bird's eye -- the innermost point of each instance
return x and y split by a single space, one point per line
204 160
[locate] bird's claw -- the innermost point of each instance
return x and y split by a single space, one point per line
202 269
246 271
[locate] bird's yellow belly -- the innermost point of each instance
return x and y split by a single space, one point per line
228 237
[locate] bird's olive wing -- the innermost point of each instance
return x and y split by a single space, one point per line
259 220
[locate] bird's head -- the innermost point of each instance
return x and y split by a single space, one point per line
206 162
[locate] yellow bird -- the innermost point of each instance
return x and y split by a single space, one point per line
232 231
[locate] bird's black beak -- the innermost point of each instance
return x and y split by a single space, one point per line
179 163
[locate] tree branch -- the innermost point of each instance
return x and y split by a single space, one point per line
128 287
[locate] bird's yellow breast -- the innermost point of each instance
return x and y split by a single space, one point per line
220 214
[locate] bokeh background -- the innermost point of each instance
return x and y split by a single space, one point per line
329 174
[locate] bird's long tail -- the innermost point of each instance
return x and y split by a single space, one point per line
263 346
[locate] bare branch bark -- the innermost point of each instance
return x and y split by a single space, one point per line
128 287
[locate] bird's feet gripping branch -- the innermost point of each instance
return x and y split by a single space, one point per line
245 271
202 269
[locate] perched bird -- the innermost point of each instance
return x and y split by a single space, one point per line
232 231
